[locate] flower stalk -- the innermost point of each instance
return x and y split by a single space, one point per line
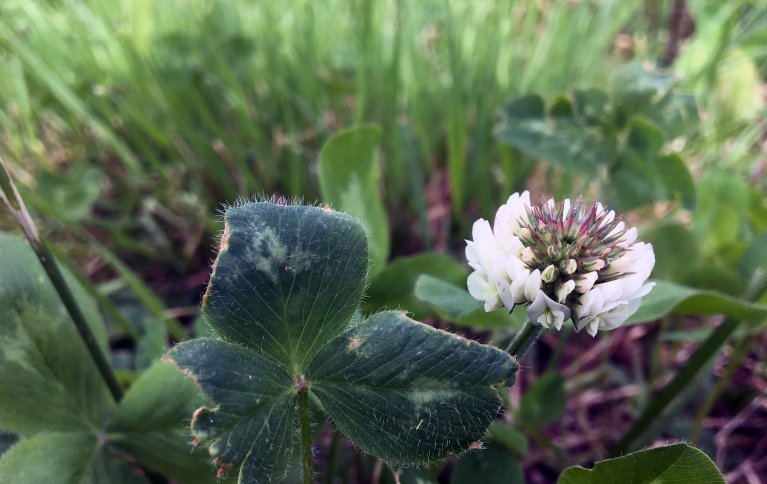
15 204
524 339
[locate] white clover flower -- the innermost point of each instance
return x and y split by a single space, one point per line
563 260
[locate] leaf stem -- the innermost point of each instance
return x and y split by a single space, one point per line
524 339
15 205
307 458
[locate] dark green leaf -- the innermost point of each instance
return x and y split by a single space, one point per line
146 406
651 93
349 178
676 249
414 475
147 425
493 465
673 463
287 279
49 379
676 113
506 435
639 179
544 401
456 305
592 105
393 287
169 453
572 143
530 106
69 196
667 297
408 393
152 344
65 457
632 182
452 300
644 137
251 421
691 336
716 276
754 258
675 181
723 204
634 87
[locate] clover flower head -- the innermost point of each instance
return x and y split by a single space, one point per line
563 260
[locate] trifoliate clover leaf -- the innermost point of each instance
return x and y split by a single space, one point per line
282 301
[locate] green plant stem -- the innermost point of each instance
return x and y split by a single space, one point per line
109 309
524 339
739 354
306 435
62 288
685 376
16 206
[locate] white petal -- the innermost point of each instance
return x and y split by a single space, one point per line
472 256
594 265
585 282
499 277
614 317
527 255
492 303
608 218
518 286
619 227
559 319
629 237
514 266
512 214
589 305
533 285
564 290
613 290
546 312
481 231
478 286
620 265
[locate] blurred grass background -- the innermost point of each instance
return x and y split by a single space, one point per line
165 110
129 123
158 112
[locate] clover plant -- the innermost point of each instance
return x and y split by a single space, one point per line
289 340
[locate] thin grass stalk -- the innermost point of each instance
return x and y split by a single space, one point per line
18 210
110 310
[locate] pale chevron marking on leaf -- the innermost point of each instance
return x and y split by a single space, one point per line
407 392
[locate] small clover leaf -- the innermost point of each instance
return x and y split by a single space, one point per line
283 301
409 393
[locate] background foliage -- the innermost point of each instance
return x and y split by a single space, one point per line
128 124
